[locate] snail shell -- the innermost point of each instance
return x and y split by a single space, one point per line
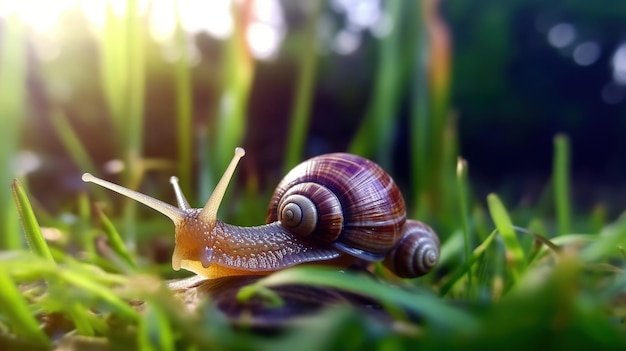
416 254
344 200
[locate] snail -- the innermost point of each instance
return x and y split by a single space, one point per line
334 209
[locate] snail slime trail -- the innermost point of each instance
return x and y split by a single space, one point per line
325 210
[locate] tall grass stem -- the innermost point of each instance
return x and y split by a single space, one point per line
461 173
303 102
375 136
183 105
13 111
561 179
514 252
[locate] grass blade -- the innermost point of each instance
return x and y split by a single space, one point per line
301 109
113 51
86 283
420 123
155 332
462 200
466 268
124 85
183 105
237 81
608 243
431 308
502 220
12 111
31 227
72 143
81 318
431 147
375 136
132 128
560 178
269 296
14 307
114 238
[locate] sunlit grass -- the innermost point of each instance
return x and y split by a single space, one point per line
237 69
184 102
12 112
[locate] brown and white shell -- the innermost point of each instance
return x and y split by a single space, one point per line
342 199
417 252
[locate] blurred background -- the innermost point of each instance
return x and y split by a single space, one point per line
137 91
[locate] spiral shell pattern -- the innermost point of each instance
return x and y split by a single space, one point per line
371 208
417 252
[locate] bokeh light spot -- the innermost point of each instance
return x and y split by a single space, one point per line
561 35
347 42
619 64
586 53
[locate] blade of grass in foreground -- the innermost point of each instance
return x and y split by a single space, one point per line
609 242
90 286
269 296
430 308
458 273
503 222
29 222
14 307
560 178
155 332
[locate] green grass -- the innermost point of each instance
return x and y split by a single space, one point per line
14 110
302 104
508 278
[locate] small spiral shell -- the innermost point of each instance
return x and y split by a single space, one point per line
416 253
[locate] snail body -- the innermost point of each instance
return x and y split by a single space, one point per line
332 209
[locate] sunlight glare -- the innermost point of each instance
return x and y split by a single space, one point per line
360 14
162 20
41 15
26 162
265 33
95 12
213 17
